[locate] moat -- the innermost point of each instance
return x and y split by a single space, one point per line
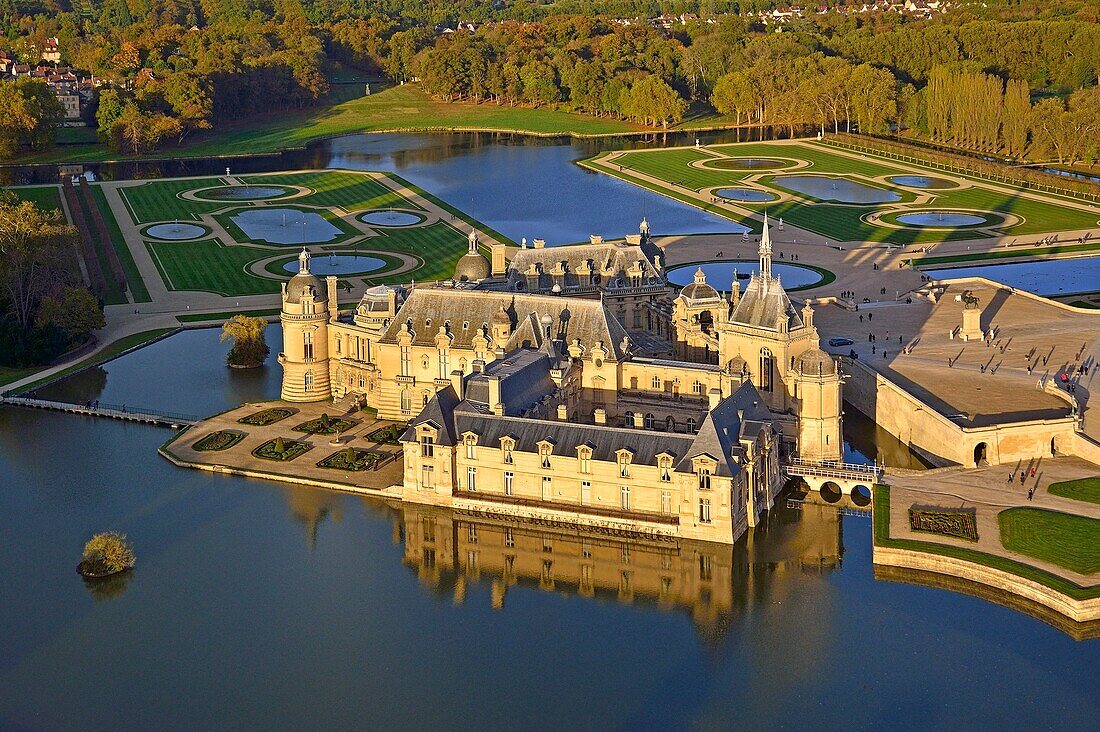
256 604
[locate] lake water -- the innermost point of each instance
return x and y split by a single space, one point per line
255 605
828 188
720 273
285 226
1048 277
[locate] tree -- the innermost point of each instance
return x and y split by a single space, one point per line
77 313
109 112
250 347
653 102
733 94
1014 120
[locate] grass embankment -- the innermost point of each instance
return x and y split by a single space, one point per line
1064 539
44 197
111 351
210 266
1007 254
1085 489
129 267
397 109
1011 566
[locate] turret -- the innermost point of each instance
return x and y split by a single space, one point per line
305 313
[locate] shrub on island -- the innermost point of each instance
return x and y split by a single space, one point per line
250 348
106 554
281 450
267 416
325 425
219 440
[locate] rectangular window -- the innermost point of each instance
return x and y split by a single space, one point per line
666 473
704 510
546 495
406 401
307 344
704 479
656 383
405 360
443 364
624 497
508 455
470 444
586 463
666 502
471 479
508 477
339 347
586 549
427 446
472 534
697 387
426 480
509 538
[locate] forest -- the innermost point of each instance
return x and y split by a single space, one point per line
1013 77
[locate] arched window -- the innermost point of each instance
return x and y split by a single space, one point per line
649 421
767 369
690 424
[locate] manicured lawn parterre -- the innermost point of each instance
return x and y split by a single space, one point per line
957 524
388 435
160 200
220 440
268 416
281 449
210 266
44 197
439 247
841 222
881 521
1085 489
325 425
348 191
351 460
1064 539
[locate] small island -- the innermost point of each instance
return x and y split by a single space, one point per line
250 348
106 554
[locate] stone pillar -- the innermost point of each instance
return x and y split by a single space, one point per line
971 321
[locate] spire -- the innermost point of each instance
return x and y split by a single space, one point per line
700 277
303 261
472 242
643 228
765 254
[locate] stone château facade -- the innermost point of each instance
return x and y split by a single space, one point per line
531 388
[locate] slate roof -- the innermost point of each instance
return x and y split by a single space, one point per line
426 309
524 381
610 261
765 304
740 416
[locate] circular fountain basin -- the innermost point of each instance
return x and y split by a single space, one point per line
842 190
745 163
720 273
338 264
175 232
920 181
391 218
942 219
745 195
243 193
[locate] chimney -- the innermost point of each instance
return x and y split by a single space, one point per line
477 366
634 239
539 243
333 302
458 384
595 239
639 420
714 396
500 264
600 416
563 413
494 396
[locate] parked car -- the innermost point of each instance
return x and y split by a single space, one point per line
840 342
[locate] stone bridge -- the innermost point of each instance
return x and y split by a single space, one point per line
842 478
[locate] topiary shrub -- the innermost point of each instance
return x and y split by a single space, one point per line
105 554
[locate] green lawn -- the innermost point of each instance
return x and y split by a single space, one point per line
210 266
1064 539
439 246
129 267
160 201
226 315
840 222
349 191
1085 489
397 109
44 197
881 522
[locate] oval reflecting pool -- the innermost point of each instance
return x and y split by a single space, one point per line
941 218
174 232
720 273
745 195
1048 277
338 264
243 193
842 190
285 226
745 163
391 218
920 181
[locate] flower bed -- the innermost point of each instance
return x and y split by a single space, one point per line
387 435
325 425
957 524
281 450
351 460
220 440
268 416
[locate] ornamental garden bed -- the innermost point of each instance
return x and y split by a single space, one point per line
281 450
326 425
959 524
352 460
220 440
389 435
268 416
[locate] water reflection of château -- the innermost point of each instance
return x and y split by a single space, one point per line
460 553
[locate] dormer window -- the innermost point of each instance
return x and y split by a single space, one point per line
664 465
545 450
584 456
427 446
427 322
471 446
506 447
624 463
465 325
704 478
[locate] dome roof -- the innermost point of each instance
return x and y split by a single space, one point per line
816 361
699 289
471 267
500 317
298 284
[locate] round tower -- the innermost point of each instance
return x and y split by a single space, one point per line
818 385
305 315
